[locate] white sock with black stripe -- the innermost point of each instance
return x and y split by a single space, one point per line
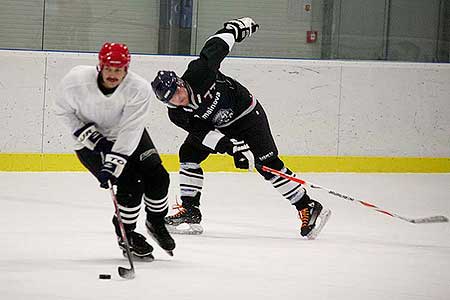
191 179
290 190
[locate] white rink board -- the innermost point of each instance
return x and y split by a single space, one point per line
21 102
315 107
404 116
301 99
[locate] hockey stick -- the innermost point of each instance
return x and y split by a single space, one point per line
123 272
433 219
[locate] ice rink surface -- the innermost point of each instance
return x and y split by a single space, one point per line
56 237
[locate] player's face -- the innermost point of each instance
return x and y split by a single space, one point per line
181 97
112 76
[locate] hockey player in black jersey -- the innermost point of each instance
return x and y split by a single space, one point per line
222 116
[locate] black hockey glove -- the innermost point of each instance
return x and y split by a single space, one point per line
92 139
111 169
243 157
104 146
241 28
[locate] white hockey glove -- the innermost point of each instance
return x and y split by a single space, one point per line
241 28
243 157
111 169
92 139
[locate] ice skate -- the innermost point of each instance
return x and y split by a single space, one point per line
159 233
313 217
185 221
139 248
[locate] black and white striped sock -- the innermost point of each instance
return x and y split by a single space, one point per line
129 215
156 206
191 179
290 190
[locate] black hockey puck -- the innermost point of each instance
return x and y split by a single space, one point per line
104 276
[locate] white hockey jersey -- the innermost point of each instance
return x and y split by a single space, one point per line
120 117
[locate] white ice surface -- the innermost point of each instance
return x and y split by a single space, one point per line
56 237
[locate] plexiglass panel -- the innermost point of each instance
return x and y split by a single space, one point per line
396 30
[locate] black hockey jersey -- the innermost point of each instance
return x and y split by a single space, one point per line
216 100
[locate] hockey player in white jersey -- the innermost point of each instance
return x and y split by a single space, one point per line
222 116
105 109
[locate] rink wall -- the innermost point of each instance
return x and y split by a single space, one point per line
326 116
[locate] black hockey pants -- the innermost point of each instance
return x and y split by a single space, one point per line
143 175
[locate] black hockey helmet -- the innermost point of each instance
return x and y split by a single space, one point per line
165 85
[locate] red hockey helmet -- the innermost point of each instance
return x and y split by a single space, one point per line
114 55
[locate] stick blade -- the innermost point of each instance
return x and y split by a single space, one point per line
434 219
126 273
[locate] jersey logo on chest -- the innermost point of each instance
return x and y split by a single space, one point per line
223 116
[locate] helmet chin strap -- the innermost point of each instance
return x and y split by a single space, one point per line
168 104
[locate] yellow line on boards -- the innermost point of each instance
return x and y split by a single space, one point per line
35 162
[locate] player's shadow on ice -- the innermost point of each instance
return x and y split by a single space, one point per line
246 236
113 261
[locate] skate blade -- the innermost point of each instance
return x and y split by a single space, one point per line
185 228
323 217
146 258
169 252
